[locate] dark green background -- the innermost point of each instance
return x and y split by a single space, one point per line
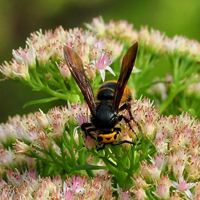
19 18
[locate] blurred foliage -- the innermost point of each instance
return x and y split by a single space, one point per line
19 18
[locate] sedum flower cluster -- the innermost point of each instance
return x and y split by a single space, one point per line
47 156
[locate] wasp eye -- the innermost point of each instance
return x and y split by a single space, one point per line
115 136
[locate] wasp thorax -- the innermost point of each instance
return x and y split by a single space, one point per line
105 117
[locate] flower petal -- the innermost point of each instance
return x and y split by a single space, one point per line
110 70
103 74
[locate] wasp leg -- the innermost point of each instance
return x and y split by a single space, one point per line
128 122
84 126
117 129
127 106
87 128
124 141
102 147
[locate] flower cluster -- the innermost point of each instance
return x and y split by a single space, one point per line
28 186
41 64
154 40
171 143
96 54
162 161
182 53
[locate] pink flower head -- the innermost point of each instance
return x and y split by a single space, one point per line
80 112
27 55
75 184
139 193
123 194
58 118
97 26
162 188
183 187
102 64
139 182
64 70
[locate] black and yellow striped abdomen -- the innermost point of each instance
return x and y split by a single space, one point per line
107 91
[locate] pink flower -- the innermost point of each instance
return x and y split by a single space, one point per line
27 55
42 119
97 26
58 118
75 184
21 147
139 193
43 54
162 188
139 182
183 187
64 70
123 195
102 64
15 70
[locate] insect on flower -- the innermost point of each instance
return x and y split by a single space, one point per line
112 97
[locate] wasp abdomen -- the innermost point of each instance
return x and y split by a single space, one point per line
106 91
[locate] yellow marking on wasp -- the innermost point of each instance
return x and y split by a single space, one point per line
108 138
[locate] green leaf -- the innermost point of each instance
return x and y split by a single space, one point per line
192 112
40 101
88 167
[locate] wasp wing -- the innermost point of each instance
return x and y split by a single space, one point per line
75 66
126 69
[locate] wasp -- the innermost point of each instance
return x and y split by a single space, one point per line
112 97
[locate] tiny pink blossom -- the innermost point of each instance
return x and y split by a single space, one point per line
183 187
175 196
75 185
43 54
58 118
172 158
139 182
90 143
139 193
123 194
80 112
102 63
194 167
21 147
178 168
97 26
163 187
64 70
27 55
42 119
162 191
161 145
15 70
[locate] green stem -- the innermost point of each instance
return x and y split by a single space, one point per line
175 70
167 101
32 154
174 91
68 97
57 161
